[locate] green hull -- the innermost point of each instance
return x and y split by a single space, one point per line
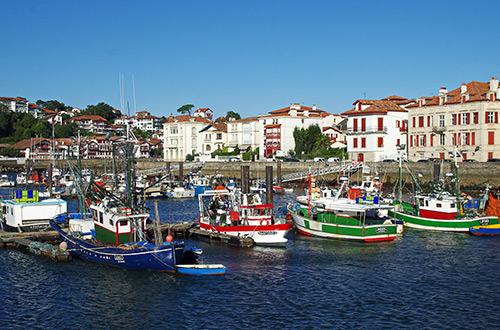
330 225
457 225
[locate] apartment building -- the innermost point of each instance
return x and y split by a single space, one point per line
465 118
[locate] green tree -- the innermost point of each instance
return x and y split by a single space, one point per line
142 134
232 114
53 105
6 124
186 108
42 128
65 131
308 140
101 109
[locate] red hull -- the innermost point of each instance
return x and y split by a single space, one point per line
285 226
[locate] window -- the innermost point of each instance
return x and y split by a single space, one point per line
421 121
490 155
219 136
442 140
454 119
380 124
363 142
465 118
475 117
422 140
193 131
413 121
491 117
380 142
441 121
363 124
355 124
355 142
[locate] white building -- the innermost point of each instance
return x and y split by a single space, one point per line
15 104
245 133
189 135
375 127
206 113
466 117
278 127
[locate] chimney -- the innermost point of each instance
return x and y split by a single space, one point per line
493 84
463 89
442 95
443 91
314 105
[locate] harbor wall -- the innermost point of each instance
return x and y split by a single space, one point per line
472 173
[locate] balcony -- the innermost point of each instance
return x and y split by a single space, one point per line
437 129
366 130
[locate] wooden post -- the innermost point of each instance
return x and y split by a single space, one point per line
181 171
269 185
278 173
245 187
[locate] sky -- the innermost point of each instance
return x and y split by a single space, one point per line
250 57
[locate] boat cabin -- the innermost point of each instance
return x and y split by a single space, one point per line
433 207
115 228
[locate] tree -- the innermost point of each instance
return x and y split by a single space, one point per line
65 131
101 109
232 114
308 139
53 105
186 108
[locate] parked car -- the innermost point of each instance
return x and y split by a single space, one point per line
319 159
494 160
470 161
423 160
291 160
333 160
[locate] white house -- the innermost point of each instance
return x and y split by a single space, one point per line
278 127
375 127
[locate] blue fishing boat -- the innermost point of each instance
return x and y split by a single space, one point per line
488 230
119 239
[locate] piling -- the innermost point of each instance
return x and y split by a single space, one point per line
269 185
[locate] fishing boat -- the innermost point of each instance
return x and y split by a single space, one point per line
199 184
119 239
152 192
325 213
5 181
440 209
222 212
26 211
180 192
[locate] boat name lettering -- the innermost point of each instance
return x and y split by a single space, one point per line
382 230
268 233
484 222
118 258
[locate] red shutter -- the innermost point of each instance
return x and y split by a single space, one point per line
411 141
473 138
459 119
423 141
454 119
428 121
413 119
431 140
496 117
363 124
355 124
486 117
363 142
380 124
468 118
416 141
355 142
491 137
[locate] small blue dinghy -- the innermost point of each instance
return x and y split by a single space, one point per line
485 230
201 269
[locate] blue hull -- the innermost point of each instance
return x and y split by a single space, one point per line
147 257
200 189
201 269
485 230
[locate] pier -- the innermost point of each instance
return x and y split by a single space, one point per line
36 243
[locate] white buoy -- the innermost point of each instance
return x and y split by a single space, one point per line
63 246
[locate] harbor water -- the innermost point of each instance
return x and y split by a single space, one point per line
422 280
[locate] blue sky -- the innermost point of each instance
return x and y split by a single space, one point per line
250 57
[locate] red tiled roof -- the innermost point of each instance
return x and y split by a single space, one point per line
88 117
375 106
186 118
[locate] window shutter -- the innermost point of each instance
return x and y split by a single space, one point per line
473 138
496 117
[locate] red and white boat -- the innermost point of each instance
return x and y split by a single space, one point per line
222 211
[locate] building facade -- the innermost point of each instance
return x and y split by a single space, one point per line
465 118
376 127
